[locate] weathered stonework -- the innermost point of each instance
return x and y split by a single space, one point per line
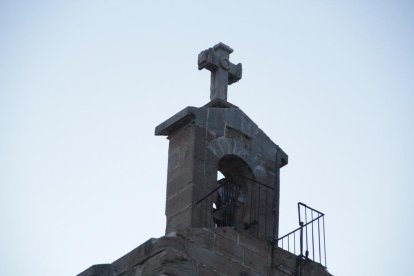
213 138
202 251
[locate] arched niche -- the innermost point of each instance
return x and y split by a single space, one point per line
234 203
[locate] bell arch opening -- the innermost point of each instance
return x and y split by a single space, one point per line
232 202
237 199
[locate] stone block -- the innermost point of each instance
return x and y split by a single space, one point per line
283 260
228 233
213 261
181 159
179 181
168 262
179 201
228 248
176 122
99 270
215 121
203 270
260 247
202 214
203 237
180 220
181 173
256 262
205 173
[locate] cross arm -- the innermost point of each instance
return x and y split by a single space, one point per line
235 73
208 60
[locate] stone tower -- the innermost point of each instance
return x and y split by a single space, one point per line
222 204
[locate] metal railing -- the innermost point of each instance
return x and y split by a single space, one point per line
307 241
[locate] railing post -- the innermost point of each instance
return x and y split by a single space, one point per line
306 230
319 239
313 239
324 242
301 238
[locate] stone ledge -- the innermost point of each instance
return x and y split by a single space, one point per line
176 122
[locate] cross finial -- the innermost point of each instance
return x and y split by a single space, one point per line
223 72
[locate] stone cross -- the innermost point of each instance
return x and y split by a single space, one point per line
223 72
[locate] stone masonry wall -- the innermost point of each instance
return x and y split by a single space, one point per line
202 251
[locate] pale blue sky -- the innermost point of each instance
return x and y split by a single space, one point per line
84 83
